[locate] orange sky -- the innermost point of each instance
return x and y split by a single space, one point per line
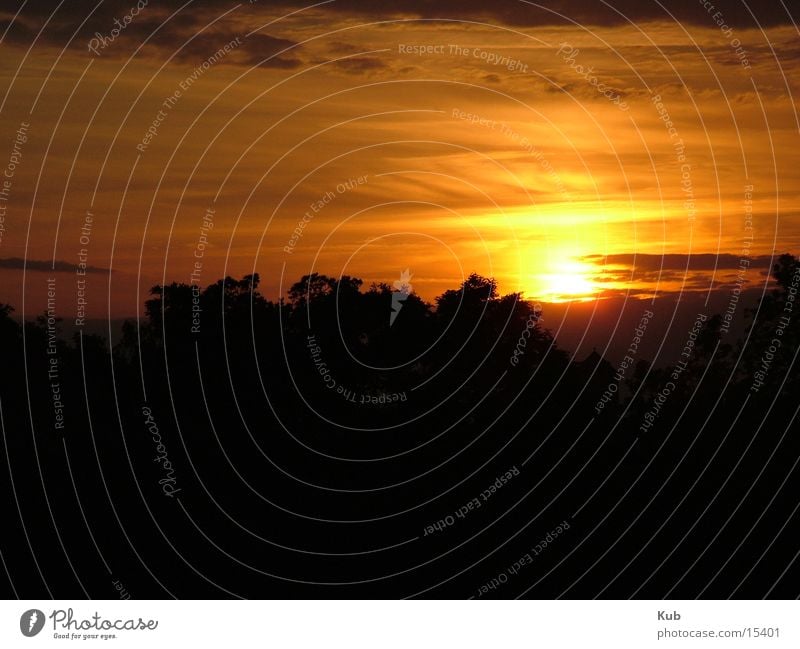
493 151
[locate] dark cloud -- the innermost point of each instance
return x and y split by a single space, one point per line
198 49
81 21
258 49
167 34
678 262
261 49
689 280
35 265
735 13
338 47
582 91
361 65
279 63
517 13
164 33
264 45
16 32
690 272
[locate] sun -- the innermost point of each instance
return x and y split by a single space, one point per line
566 281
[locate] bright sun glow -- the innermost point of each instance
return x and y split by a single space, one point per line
566 282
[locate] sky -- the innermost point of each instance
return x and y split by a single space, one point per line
575 151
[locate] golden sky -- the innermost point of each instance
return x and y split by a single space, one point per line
445 141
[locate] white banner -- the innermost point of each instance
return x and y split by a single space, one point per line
399 624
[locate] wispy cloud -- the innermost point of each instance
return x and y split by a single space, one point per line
36 265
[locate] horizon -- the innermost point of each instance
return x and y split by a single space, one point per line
570 321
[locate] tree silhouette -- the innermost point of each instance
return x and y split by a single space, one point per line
256 401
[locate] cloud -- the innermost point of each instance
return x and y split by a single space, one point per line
91 21
165 34
260 49
678 262
546 12
361 65
278 63
516 13
672 273
339 47
17 32
35 265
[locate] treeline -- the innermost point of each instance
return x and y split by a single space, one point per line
298 436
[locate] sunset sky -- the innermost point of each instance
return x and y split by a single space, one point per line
444 137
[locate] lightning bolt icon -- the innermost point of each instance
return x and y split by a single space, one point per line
32 621
400 294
